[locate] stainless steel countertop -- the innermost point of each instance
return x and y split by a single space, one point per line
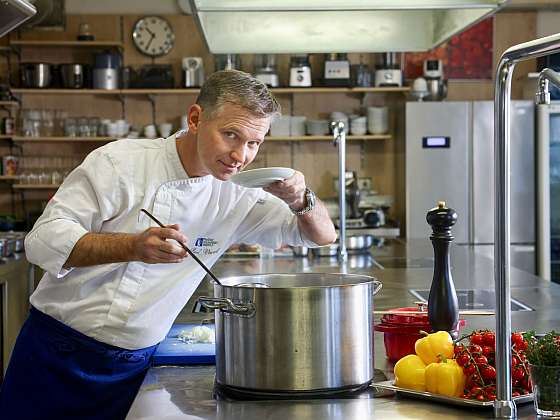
186 392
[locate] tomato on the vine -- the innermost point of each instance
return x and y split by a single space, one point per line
516 338
488 372
487 350
476 338
489 338
475 348
481 360
458 349
518 373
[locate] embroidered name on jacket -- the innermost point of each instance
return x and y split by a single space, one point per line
205 246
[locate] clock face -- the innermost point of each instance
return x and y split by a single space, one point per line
153 36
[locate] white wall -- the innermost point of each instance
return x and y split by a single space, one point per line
548 23
124 7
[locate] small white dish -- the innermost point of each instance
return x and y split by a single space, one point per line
261 177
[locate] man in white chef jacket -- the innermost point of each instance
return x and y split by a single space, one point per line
114 281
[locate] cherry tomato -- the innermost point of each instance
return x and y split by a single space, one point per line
475 348
487 350
476 338
481 397
488 338
463 359
515 394
514 361
481 360
491 397
488 372
522 345
475 390
470 368
516 338
518 373
458 349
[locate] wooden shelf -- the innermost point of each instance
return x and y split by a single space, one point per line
14 104
194 91
5 137
329 137
62 139
47 91
8 177
43 43
35 187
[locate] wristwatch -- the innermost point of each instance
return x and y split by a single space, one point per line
311 200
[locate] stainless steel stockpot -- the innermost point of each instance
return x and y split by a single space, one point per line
305 332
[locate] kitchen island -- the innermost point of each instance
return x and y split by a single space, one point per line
187 392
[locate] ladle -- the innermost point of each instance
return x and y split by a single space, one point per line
185 248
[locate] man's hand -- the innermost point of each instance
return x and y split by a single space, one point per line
152 247
291 191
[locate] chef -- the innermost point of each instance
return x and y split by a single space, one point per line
114 282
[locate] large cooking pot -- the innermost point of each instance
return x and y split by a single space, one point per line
36 75
73 75
294 333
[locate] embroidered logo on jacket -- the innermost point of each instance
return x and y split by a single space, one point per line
205 246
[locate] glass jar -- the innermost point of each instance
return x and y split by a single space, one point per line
546 389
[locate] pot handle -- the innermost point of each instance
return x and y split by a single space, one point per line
377 286
226 305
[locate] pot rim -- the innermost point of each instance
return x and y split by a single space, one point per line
370 279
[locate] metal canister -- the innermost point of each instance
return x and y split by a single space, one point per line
10 165
8 126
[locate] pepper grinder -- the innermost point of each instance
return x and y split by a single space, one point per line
443 307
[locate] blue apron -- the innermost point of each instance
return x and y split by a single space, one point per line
56 372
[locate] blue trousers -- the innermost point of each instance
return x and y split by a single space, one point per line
58 373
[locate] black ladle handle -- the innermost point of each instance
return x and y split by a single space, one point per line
185 248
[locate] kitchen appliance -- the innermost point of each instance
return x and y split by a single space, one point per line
433 69
548 197
268 321
155 76
73 75
389 72
360 75
193 71
451 145
337 70
227 62
36 75
300 71
106 71
265 69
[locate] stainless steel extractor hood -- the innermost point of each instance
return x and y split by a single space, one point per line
13 13
316 26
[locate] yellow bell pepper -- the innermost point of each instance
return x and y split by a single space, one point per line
434 347
446 378
409 373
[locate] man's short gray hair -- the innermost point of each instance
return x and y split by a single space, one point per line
237 88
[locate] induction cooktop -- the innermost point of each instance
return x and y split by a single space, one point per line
470 299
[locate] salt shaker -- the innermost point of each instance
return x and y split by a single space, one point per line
443 307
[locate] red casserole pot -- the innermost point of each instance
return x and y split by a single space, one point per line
401 331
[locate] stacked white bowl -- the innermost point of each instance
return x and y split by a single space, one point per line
358 125
378 119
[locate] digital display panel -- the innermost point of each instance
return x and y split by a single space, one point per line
436 142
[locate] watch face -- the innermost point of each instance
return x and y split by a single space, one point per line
153 36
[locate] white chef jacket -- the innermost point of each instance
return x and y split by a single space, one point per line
133 305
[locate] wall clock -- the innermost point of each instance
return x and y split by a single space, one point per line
153 36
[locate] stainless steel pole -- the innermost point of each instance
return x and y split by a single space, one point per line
339 132
504 407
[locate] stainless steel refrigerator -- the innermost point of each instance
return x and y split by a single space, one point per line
450 157
548 191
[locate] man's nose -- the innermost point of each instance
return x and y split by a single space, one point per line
239 153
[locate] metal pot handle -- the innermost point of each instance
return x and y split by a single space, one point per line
226 305
377 286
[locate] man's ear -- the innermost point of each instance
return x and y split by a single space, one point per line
194 115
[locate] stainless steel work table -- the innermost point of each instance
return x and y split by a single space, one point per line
187 392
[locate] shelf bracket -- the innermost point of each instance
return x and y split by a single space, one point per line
122 100
152 99
363 99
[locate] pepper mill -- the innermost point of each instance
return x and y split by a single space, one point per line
443 307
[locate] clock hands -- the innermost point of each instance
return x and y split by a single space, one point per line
150 41
150 32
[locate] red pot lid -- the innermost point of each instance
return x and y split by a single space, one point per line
406 320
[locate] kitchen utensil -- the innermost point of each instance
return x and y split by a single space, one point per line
106 71
378 119
84 32
354 244
360 75
300 71
433 69
374 217
265 69
193 71
261 177
300 251
259 329
437 90
317 127
461 313
186 249
337 70
73 75
36 75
